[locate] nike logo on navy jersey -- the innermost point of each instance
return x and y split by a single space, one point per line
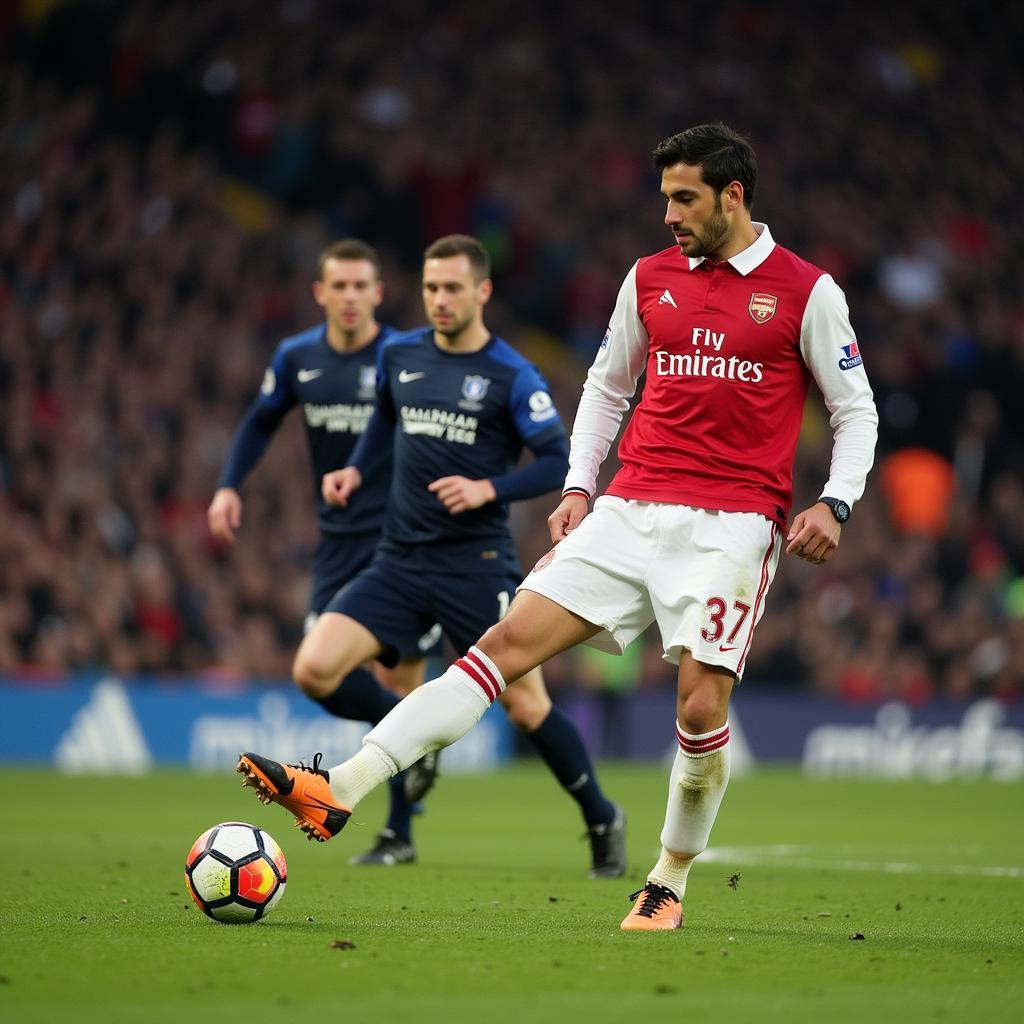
406 377
304 376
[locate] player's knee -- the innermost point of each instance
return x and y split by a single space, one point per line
506 637
525 710
313 677
495 641
702 711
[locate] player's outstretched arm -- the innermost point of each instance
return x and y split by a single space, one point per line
814 535
225 514
568 515
339 485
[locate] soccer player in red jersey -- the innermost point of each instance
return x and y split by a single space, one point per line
730 329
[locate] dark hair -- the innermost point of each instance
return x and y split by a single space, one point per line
722 154
461 245
348 249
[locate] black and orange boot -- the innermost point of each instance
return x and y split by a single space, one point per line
302 789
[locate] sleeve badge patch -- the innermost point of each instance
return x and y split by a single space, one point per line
851 356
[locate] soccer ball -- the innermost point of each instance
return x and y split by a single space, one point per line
235 872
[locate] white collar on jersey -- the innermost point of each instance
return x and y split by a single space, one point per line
752 257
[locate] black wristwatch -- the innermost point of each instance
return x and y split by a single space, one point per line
839 509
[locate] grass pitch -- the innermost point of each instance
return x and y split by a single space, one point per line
498 921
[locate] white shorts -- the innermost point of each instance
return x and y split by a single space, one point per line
702 575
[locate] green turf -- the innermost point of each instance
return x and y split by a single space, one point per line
498 921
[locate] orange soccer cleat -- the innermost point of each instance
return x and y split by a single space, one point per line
299 788
656 909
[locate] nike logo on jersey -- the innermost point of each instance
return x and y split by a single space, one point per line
666 299
305 376
407 377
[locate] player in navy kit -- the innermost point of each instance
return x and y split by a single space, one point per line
458 405
330 372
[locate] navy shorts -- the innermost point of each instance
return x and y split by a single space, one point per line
399 605
339 558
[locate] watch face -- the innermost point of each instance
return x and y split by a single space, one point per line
842 511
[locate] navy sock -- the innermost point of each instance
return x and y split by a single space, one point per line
361 698
400 810
560 745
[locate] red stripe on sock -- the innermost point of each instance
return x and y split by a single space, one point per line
488 674
480 681
704 745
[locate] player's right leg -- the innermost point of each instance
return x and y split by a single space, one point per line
432 716
302 789
335 647
327 668
446 708
409 674
331 651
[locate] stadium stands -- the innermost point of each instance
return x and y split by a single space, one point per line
171 170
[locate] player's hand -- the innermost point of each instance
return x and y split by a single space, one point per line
567 516
458 494
225 514
814 535
338 486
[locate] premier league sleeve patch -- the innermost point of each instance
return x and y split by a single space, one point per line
851 356
542 408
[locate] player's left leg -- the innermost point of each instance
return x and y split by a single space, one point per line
700 775
708 592
559 743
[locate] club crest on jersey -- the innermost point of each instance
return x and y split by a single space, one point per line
762 306
474 389
367 381
851 356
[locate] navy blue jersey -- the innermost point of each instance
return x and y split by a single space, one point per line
465 414
337 394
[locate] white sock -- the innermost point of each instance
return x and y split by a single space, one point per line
360 774
671 872
432 716
700 775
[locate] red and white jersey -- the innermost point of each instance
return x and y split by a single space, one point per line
729 350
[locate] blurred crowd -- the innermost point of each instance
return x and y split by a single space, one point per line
171 170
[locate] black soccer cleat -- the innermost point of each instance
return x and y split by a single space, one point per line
387 851
420 777
608 847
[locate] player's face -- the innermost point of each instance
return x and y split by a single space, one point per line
695 213
452 297
349 292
